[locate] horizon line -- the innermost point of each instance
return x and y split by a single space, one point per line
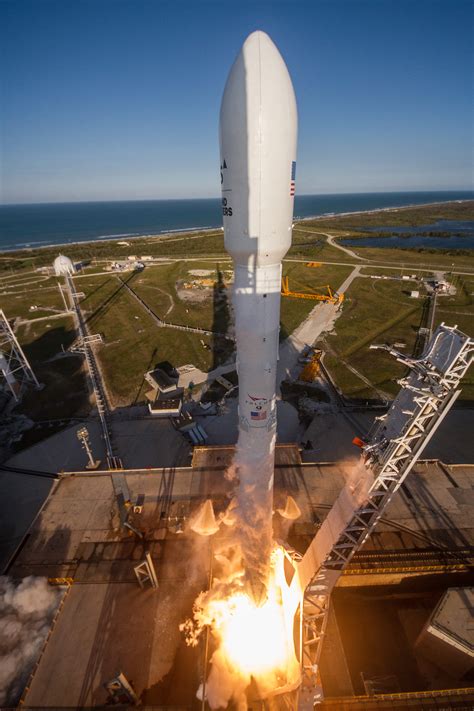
217 197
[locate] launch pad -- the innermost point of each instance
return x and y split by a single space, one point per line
109 624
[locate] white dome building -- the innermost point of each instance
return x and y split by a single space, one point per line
63 266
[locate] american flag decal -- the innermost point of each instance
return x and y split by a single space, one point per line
293 176
259 415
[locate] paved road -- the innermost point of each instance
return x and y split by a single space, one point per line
330 240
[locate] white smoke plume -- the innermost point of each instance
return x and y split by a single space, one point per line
254 514
26 611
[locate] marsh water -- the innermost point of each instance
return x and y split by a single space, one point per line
443 234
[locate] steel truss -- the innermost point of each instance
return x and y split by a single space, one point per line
14 364
86 341
426 397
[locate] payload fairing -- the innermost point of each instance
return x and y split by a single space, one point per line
258 132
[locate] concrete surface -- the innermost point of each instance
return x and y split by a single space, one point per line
108 623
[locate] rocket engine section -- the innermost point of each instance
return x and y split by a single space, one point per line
258 133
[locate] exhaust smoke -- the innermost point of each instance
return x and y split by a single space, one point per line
26 611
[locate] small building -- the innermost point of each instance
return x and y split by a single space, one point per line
447 639
166 408
63 266
161 381
415 294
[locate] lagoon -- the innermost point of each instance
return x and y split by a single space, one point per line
432 236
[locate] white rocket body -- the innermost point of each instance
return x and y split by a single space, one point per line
258 133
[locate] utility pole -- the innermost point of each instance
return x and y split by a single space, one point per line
83 437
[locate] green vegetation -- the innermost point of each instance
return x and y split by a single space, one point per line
406 216
208 309
374 312
418 258
133 341
379 311
65 390
189 245
18 294
42 340
313 245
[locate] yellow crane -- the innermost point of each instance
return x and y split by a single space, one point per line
332 297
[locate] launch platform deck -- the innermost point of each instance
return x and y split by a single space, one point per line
108 623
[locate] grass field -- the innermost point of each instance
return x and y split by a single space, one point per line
45 339
133 342
157 286
402 216
190 245
65 390
414 259
382 312
374 312
312 245
18 294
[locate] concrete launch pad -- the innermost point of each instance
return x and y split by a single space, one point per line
109 624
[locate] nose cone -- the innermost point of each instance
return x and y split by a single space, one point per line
258 127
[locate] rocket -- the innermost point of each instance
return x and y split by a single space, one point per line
258 133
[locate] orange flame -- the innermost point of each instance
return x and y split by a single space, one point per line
252 641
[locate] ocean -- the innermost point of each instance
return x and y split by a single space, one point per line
40 225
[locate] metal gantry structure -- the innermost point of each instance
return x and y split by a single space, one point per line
113 460
390 452
14 364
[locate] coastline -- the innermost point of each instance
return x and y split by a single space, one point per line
126 237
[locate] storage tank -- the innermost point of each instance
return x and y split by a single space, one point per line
63 266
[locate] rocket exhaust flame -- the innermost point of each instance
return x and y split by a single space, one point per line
253 643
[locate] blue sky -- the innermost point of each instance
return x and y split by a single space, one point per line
119 99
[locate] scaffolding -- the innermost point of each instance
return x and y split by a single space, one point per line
390 452
14 364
